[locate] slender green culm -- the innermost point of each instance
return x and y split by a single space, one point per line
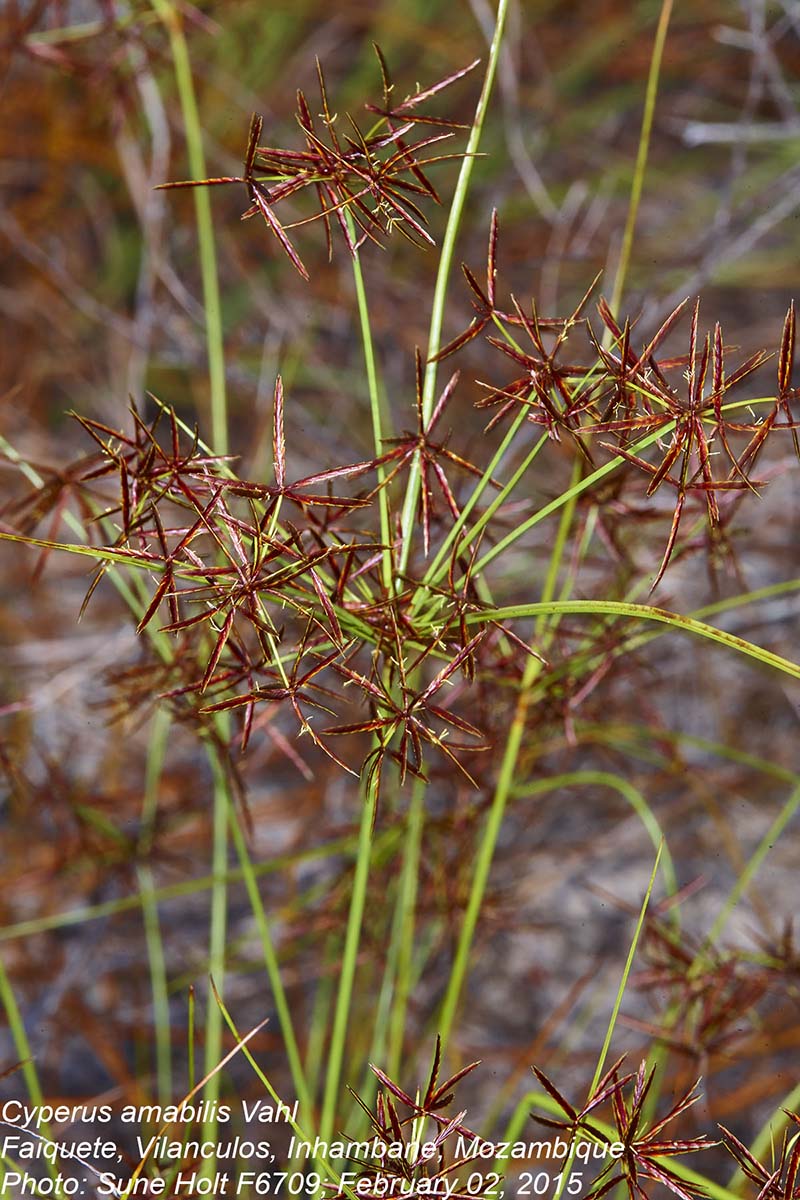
295 1125
22 1046
443 274
377 408
217 940
754 865
173 23
615 1010
273 967
641 155
153 936
623 983
341 1015
407 899
486 849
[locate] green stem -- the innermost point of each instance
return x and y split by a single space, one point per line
635 641
272 966
443 276
397 982
409 883
625 975
641 156
638 738
505 780
488 842
754 865
612 1021
172 22
349 958
486 851
375 406
216 944
299 1131
323 1004
502 496
155 946
22 1046
436 568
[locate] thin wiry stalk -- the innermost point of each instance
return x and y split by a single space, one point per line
621 989
443 277
505 782
22 1047
578 489
544 635
295 1125
640 733
172 22
396 984
438 565
501 497
323 1006
383 994
217 941
273 967
409 884
754 864
634 641
486 849
203 1083
623 983
344 995
376 407
156 751
546 628
376 1051
190 1038
641 155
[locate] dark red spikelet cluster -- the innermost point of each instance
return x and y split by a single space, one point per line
368 183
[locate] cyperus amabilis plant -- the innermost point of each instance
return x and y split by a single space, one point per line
403 611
